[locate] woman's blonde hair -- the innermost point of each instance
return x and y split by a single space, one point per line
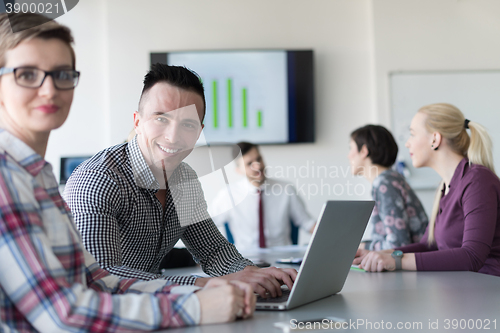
30 26
449 121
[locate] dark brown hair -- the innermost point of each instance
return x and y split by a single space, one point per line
177 76
244 147
382 148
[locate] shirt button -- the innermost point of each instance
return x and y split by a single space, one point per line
440 211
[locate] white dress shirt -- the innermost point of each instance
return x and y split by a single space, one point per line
281 204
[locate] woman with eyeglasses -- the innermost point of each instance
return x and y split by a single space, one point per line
464 229
48 281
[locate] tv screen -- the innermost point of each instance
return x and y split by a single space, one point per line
261 96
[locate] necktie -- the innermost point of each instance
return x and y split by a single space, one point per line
262 237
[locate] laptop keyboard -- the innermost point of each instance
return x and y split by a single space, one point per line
279 299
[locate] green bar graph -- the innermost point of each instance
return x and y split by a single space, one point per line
218 117
229 104
245 106
214 92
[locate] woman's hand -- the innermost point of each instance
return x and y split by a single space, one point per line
223 301
360 254
376 261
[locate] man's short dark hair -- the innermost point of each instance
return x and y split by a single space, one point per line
382 148
244 147
176 76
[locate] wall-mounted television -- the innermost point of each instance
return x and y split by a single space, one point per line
261 96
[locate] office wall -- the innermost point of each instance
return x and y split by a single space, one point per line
433 35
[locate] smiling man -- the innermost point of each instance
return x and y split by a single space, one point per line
132 202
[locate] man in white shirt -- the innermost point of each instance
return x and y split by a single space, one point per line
262 218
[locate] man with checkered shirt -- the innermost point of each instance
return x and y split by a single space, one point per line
132 202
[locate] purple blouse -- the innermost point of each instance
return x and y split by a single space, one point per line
467 230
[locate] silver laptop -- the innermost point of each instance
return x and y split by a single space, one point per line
328 257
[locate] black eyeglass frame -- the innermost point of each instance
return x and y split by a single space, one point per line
7 70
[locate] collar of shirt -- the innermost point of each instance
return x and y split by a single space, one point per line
22 153
253 189
144 178
459 172
143 175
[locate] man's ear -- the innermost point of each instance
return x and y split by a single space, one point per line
137 119
199 133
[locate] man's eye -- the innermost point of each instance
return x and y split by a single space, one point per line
189 125
161 119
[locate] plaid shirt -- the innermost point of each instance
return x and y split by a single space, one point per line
123 224
48 281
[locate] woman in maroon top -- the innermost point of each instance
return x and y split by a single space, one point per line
464 230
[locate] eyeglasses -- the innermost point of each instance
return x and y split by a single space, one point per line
28 77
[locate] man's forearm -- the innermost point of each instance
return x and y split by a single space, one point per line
131 273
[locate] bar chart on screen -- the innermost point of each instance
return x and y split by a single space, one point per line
245 92
229 112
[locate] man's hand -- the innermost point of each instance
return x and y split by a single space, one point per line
262 280
222 301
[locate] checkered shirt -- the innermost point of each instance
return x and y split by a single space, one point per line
48 281
123 224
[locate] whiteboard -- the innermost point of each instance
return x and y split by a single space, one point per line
475 93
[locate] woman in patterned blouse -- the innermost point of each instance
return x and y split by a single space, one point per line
398 218
48 281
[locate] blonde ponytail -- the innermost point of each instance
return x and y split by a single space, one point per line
481 147
450 122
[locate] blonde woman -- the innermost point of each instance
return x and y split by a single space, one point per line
48 282
464 229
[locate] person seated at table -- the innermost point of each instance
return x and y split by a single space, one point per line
262 218
132 202
398 217
464 229
48 281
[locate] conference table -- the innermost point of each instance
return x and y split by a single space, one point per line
378 302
